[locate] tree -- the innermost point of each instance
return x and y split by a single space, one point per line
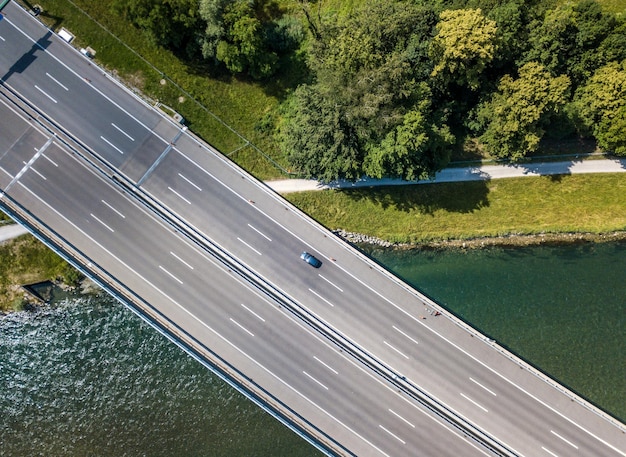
170 23
575 39
318 138
510 35
365 85
239 34
600 107
463 47
611 134
242 47
515 114
415 149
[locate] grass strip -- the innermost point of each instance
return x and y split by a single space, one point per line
26 260
432 212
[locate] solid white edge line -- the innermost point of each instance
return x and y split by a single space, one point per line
475 403
557 412
312 378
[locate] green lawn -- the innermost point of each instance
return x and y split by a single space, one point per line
427 212
26 260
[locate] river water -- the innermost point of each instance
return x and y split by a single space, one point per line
87 377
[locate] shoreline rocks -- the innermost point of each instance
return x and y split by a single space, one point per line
510 240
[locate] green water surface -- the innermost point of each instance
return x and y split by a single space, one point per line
562 308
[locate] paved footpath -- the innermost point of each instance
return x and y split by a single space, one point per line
10 231
476 173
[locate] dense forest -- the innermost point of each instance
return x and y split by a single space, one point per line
392 86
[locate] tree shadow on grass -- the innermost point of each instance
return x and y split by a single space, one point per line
457 197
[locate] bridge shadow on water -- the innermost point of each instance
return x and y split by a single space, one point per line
458 197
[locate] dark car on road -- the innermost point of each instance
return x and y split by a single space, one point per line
311 259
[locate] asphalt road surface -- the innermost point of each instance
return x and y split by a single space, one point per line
397 345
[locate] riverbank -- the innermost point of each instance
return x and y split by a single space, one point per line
426 214
26 260
512 240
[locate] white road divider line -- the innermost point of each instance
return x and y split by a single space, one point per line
401 418
404 334
122 132
392 434
480 385
475 403
102 222
255 250
241 327
56 81
260 232
253 313
190 182
331 283
549 452
113 209
564 439
170 274
45 93
50 160
311 377
181 260
37 173
397 350
320 297
111 144
326 365
179 195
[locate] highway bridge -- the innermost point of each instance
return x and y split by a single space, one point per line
347 355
